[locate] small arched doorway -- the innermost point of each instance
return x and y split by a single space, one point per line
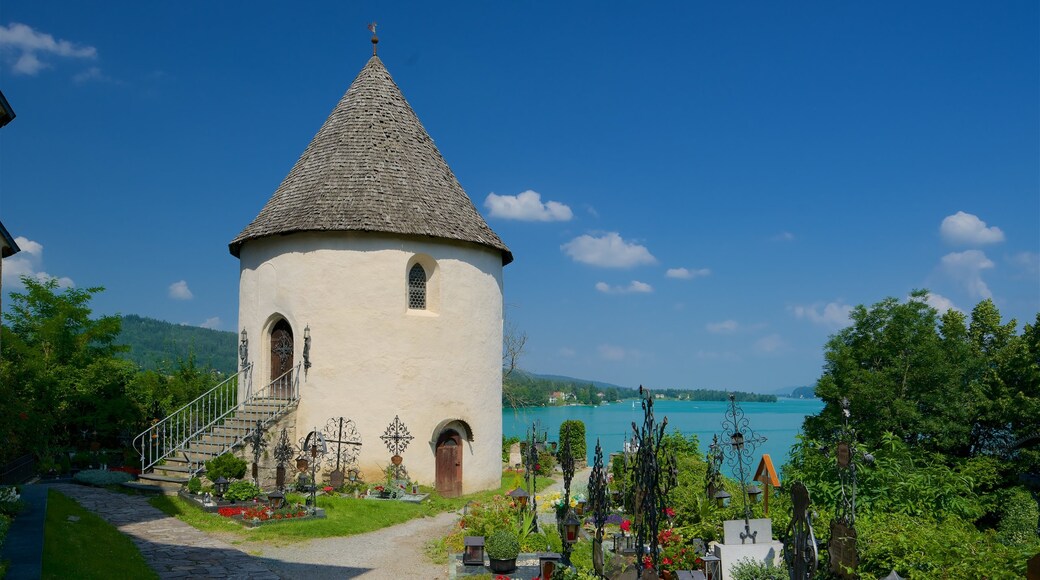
449 464
281 360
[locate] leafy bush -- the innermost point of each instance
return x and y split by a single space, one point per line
10 502
750 570
486 518
101 477
227 466
194 485
241 490
508 442
502 545
546 463
573 430
1019 518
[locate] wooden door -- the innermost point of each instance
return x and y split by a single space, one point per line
449 464
281 360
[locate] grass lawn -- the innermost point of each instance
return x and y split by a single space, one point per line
344 516
87 548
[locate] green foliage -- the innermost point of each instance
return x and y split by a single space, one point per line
227 466
102 477
1019 518
507 442
242 490
157 345
546 463
194 485
750 570
502 545
573 430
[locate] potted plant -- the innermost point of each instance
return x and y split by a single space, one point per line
502 549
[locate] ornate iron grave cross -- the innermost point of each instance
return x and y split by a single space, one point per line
842 544
738 453
800 550
396 437
283 454
655 475
343 436
600 506
258 443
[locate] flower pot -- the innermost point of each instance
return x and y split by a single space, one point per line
502 566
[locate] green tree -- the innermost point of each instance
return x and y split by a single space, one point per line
60 373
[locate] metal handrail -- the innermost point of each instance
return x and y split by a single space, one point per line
189 424
170 434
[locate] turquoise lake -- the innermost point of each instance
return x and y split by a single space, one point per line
778 422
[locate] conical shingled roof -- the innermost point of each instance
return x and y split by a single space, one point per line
372 168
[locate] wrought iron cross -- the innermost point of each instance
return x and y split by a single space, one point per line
283 450
256 440
396 437
344 435
738 453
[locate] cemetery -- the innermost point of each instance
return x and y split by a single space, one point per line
360 430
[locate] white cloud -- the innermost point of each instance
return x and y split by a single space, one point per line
28 262
212 323
1028 262
91 74
613 352
724 327
833 314
179 291
966 267
940 303
968 230
566 351
770 344
607 251
635 287
716 355
782 237
24 46
527 206
686 274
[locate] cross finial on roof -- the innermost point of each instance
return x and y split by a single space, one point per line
375 39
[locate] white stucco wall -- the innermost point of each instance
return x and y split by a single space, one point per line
373 358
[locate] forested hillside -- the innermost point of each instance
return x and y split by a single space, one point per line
156 344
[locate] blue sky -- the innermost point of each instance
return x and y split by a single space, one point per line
695 193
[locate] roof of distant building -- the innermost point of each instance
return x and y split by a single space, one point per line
372 168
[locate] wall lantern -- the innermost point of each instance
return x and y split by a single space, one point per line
722 498
276 498
520 496
712 567
753 493
547 563
220 486
473 554
243 349
571 526
307 347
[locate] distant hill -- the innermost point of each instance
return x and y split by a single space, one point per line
803 393
571 380
156 344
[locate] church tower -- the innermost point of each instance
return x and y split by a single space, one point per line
371 288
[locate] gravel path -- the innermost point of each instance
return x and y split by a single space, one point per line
394 552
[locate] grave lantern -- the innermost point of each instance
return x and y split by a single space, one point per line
738 440
624 544
893 576
352 474
753 493
547 563
571 525
712 567
520 496
220 486
473 554
722 498
277 499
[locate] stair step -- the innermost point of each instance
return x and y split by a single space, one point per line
161 479
148 488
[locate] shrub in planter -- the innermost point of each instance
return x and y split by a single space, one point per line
101 477
241 491
574 431
194 485
502 546
546 464
227 466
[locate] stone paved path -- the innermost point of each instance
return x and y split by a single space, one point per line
171 547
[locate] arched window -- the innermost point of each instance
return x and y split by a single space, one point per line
417 288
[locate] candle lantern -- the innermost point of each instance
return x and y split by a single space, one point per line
571 526
473 553
722 498
753 493
547 564
277 499
712 567
520 496
220 486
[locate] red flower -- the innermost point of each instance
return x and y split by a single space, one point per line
328 488
669 512
23 416
626 525
647 562
666 561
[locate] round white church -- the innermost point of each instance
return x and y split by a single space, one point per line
371 288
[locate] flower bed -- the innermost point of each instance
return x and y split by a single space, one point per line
260 514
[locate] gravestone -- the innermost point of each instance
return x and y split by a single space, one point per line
734 549
842 548
514 455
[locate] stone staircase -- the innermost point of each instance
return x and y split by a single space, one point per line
169 461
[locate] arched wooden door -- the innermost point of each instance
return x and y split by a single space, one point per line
281 359
449 464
